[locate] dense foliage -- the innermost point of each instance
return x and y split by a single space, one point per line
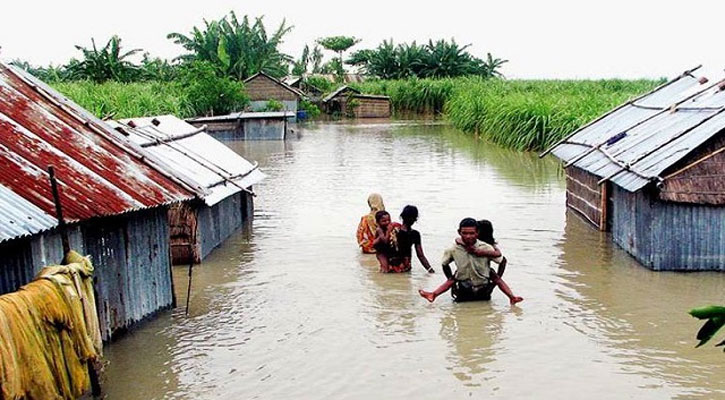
524 115
439 59
237 49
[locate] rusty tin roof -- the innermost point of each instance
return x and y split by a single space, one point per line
99 172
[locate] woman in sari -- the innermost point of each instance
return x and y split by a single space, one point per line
367 227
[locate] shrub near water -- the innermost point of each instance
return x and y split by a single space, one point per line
524 115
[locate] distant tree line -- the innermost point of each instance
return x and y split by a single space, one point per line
238 48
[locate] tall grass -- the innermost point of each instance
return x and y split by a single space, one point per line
127 100
520 114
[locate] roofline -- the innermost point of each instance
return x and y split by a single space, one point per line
277 81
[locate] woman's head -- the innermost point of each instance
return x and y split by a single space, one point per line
375 201
409 215
485 231
382 218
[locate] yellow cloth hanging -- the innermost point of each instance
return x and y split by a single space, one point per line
48 332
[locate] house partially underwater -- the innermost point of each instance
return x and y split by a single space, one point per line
116 195
198 227
351 102
113 196
652 171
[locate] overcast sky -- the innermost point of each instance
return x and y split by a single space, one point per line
542 39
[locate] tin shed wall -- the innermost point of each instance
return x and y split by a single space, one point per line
130 255
265 129
668 236
215 224
584 196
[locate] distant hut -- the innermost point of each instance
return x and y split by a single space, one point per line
113 196
227 178
271 125
652 171
351 102
261 88
310 91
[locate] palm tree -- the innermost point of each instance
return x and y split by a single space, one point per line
236 49
108 63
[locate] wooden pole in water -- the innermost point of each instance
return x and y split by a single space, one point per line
92 373
191 268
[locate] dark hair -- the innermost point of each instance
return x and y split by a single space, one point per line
468 223
485 232
409 215
380 214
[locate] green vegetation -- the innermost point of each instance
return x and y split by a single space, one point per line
238 50
312 110
523 115
338 44
439 59
198 91
715 320
273 105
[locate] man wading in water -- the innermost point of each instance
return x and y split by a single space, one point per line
473 272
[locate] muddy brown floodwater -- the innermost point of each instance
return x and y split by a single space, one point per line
289 309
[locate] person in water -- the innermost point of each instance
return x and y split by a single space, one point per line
367 226
383 240
473 271
407 238
394 242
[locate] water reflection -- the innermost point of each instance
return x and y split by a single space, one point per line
295 311
640 316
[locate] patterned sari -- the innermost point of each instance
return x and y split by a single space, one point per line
367 226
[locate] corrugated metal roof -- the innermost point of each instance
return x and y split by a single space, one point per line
19 218
634 143
339 90
193 154
98 172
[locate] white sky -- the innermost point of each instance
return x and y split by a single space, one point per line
542 39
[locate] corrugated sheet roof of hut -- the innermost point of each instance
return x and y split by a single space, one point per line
99 173
636 142
19 217
194 154
341 90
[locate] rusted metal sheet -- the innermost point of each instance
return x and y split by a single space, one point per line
98 173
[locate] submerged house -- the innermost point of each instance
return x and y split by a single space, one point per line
273 125
652 172
351 102
113 195
310 91
261 88
199 226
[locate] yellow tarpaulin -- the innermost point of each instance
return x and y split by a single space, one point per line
48 332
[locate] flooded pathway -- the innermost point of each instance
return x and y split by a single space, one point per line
289 309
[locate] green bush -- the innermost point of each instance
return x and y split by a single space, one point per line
274 105
312 110
208 93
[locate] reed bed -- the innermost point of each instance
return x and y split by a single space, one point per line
127 100
519 114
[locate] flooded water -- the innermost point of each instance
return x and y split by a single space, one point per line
289 308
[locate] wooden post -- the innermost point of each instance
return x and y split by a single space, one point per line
191 268
92 373
603 215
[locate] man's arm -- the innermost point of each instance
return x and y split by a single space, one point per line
446 263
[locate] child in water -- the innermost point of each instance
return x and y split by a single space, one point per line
382 242
473 275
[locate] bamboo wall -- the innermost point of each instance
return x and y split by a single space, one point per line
372 108
584 196
263 88
700 177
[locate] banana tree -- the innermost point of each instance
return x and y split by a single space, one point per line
107 63
715 319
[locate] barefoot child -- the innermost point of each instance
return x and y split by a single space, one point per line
473 271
